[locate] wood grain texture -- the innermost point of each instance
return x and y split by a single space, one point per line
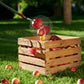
31 67
32 60
23 50
30 42
70 59
26 42
62 43
61 68
62 52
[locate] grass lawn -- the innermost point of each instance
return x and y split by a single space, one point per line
11 30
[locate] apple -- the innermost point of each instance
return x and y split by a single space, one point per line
37 23
43 30
46 29
38 82
15 81
73 69
8 67
36 73
5 81
32 51
40 32
80 81
54 37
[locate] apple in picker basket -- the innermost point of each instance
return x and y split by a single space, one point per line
43 30
80 81
32 50
15 81
5 81
37 23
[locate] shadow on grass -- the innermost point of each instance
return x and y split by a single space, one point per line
9 34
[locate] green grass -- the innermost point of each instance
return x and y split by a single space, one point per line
11 30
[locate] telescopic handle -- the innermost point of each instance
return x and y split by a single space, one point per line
11 9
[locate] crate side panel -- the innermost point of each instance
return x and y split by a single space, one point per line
61 68
32 60
63 60
62 52
32 67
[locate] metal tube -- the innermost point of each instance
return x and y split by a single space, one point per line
11 9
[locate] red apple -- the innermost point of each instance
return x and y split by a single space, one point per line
37 23
43 30
8 67
15 81
80 81
40 32
5 81
54 37
38 82
36 73
32 50
46 29
73 69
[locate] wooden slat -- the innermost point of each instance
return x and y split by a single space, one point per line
70 59
32 60
22 41
33 38
29 42
67 37
60 68
31 67
23 50
38 44
62 52
62 43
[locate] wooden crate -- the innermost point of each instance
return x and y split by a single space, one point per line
48 61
